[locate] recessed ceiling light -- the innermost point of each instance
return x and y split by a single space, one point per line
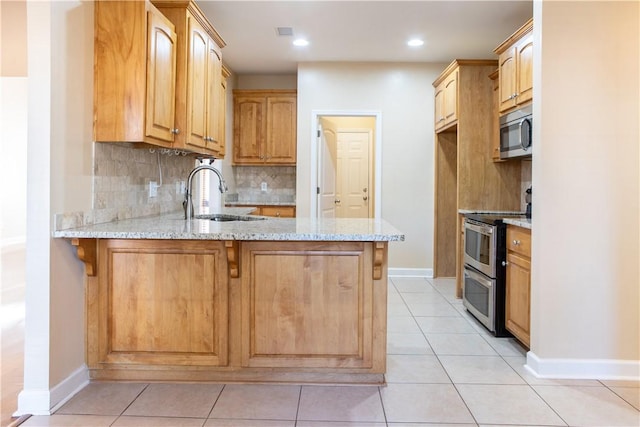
301 42
415 42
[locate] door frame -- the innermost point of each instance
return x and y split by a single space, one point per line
377 152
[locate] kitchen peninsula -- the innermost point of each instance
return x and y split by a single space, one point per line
274 300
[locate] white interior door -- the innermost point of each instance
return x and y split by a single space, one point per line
327 178
352 189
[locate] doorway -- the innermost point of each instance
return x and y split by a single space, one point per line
347 162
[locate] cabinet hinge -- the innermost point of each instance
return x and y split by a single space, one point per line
318 133
317 190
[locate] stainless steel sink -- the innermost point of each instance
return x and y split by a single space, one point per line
228 217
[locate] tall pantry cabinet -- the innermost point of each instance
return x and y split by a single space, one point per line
466 178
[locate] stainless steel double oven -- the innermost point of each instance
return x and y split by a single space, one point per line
484 270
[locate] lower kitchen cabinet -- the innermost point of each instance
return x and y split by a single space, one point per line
309 305
159 303
236 311
518 282
278 211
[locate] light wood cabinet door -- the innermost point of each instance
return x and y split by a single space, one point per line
507 87
134 73
446 100
160 302
215 100
515 59
198 77
439 106
265 127
524 51
203 92
161 77
451 98
307 305
518 283
197 81
222 112
280 144
248 129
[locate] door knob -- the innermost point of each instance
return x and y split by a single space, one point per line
365 198
336 201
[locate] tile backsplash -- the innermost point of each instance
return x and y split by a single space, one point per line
121 176
280 181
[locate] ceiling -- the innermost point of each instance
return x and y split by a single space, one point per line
360 31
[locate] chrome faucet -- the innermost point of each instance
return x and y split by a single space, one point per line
188 210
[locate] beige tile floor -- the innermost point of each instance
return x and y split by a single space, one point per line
444 369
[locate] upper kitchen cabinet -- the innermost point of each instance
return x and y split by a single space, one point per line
446 99
198 78
264 127
222 111
157 75
515 59
134 74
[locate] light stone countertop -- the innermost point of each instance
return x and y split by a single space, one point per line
254 203
520 222
173 226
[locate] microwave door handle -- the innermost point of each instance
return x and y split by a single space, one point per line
522 122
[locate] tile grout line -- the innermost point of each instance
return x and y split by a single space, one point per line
215 402
295 422
384 412
130 403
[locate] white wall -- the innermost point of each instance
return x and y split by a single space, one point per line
404 95
60 62
585 278
13 159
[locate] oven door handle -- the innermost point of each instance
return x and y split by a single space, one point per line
487 283
487 230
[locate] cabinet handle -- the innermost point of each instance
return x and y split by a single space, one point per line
175 131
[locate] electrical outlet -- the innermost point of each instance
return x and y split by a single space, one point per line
153 189
263 186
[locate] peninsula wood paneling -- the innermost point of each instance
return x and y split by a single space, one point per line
307 305
164 303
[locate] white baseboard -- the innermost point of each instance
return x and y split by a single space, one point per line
46 402
594 369
411 272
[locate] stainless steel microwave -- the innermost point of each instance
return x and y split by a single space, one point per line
516 133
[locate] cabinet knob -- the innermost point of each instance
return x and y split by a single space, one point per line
505 263
175 131
516 242
277 213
